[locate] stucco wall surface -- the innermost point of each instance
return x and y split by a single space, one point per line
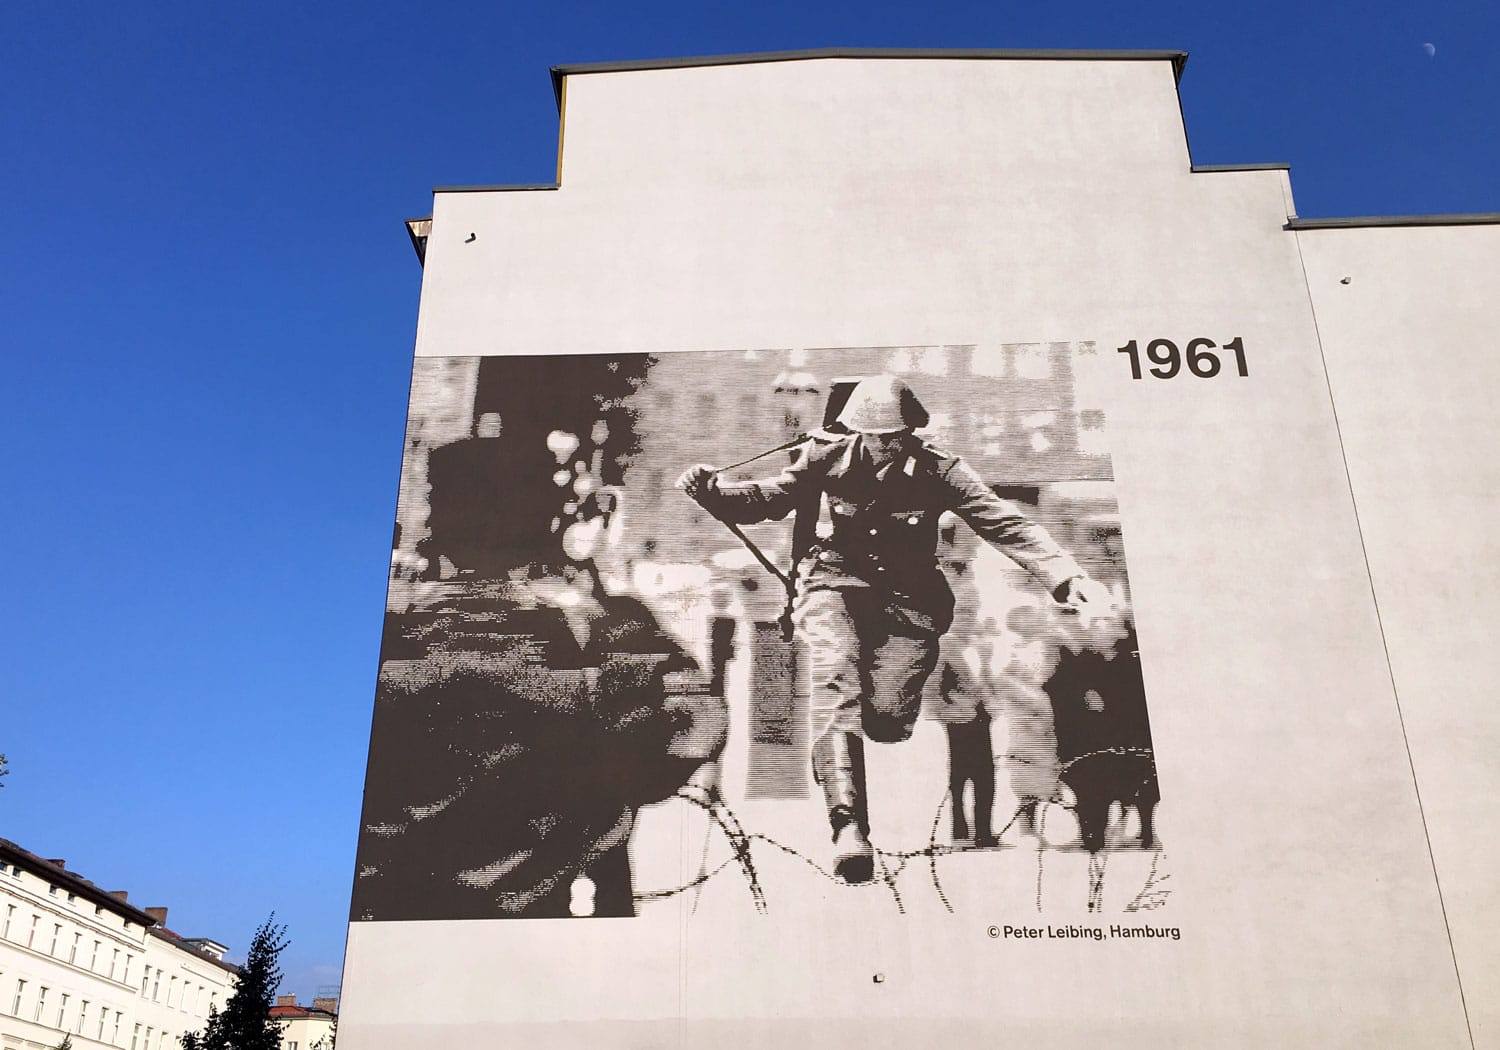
905 202
1409 341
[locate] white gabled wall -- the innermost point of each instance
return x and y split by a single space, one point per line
880 202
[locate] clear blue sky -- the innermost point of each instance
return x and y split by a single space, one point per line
209 305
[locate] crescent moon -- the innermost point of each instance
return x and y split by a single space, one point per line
1429 49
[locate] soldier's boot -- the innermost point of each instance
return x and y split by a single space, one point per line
839 766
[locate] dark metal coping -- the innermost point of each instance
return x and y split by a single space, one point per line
505 187
1177 58
1490 218
1271 166
10 853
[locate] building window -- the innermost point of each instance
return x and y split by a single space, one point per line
125 977
135 1037
114 961
52 890
72 898
73 951
83 1009
103 1016
94 959
62 1008
115 1038
31 937
15 1006
171 989
41 1003
156 988
10 911
145 980
56 933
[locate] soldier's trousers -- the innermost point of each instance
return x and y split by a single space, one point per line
867 669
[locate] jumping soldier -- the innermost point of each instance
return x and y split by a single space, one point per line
870 600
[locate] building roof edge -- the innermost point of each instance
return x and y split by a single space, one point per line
1357 222
1177 58
1201 169
503 187
161 933
73 883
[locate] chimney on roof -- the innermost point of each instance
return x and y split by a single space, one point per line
287 1000
159 914
120 895
328 1006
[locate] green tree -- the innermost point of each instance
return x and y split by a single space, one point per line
66 1044
246 1022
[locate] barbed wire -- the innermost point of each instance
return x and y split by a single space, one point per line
891 864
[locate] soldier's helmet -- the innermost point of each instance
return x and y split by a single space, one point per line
882 405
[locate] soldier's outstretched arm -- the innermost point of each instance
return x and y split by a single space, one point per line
747 502
1008 530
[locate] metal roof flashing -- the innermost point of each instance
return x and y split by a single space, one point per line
1177 58
1367 221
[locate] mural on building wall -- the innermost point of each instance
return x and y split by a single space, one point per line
735 629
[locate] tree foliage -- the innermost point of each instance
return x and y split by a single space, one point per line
246 1023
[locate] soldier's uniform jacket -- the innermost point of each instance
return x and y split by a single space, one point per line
885 522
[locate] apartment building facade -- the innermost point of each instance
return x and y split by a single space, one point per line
80 962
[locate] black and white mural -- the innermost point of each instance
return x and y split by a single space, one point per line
740 631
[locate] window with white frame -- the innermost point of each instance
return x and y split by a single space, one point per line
62 1009
15 1005
73 951
56 936
83 1010
41 1004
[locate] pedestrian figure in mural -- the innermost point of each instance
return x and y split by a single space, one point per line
870 600
1103 740
965 697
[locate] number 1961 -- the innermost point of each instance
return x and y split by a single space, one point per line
1167 360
